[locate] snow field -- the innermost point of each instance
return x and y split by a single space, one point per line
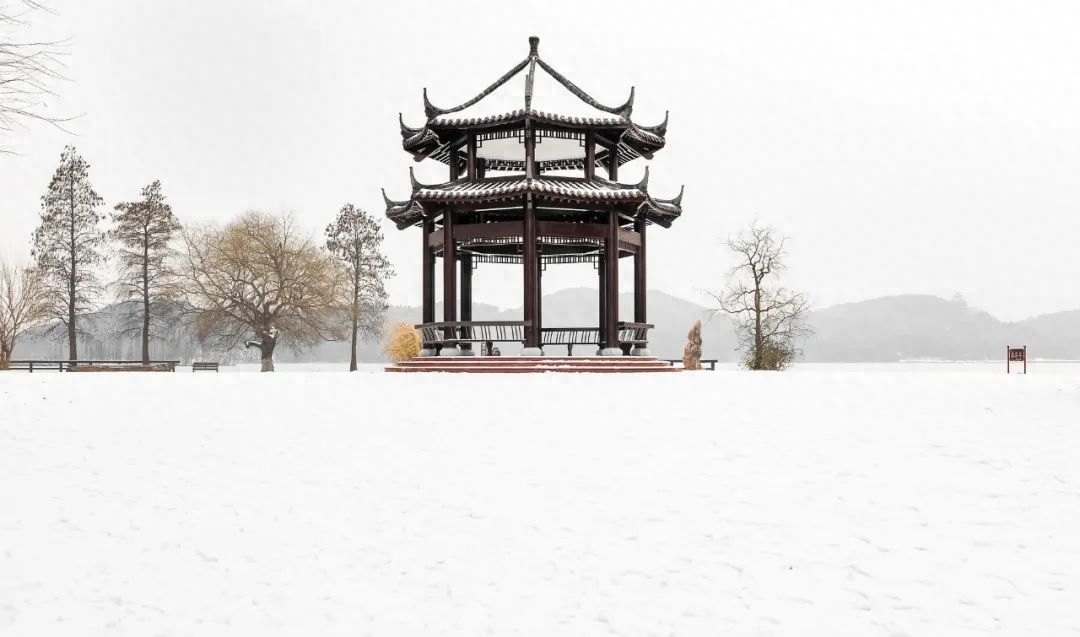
824 502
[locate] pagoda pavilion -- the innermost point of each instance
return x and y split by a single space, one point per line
533 188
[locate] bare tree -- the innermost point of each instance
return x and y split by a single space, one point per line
769 320
259 281
22 305
68 241
356 239
145 230
26 68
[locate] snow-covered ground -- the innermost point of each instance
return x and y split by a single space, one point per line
832 500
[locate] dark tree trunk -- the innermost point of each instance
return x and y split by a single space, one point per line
266 352
73 351
146 301
355 314
352 359
758 340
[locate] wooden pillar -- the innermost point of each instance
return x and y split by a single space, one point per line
539 296
466 260
529 254
449 267
590 156
611 265
601 270
530 151
530 285
639 273
450 299
470 157
466 294
428 275
611 256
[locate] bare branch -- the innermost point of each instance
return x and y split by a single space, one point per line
768 320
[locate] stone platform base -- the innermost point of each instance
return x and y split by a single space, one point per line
534 364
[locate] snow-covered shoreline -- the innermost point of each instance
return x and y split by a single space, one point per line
833 501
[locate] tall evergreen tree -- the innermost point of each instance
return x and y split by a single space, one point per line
356 239
67 243
145 230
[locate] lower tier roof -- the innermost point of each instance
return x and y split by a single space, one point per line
426 200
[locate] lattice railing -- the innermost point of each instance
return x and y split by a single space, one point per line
450 332
473 332
569 336
634 333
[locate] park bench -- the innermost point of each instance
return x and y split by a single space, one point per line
204 366
711 362
66 365
30 366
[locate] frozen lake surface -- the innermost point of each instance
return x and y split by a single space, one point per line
832 500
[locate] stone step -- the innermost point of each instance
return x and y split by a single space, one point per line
498 360
508 369
535 361
521 364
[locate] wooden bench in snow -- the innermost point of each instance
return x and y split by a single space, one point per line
711 362
94 366
204 366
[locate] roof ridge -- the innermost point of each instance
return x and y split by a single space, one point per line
433 111
623 110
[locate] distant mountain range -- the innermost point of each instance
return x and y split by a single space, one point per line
878 330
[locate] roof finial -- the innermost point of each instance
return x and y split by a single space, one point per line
534 45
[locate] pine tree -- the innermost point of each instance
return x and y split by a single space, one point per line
145 230
68 241
356 239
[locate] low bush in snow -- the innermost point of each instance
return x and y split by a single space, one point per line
404 343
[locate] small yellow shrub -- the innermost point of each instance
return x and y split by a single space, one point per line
404 343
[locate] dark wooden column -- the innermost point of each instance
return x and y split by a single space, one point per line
466 286
466 293
428 276
470 157
449 267
601 270
611 256
530 257
611 265
590 156
539 296
639 273
531 275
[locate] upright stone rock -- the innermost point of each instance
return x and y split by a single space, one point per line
691 357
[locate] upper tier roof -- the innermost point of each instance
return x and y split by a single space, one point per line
442 134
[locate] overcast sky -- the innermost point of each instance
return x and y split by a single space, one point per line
906 147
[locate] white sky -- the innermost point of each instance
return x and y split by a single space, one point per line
906 147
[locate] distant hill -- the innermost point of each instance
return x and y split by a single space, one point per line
905 327
927 327
877 330
1054 335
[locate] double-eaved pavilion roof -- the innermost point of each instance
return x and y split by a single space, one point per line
441 135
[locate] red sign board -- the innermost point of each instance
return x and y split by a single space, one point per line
1015 355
